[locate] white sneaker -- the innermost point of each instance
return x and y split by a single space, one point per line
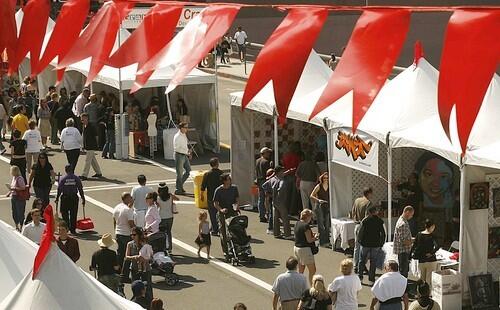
269 231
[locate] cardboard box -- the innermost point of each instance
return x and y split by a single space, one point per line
447 289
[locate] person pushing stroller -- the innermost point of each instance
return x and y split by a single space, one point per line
226 202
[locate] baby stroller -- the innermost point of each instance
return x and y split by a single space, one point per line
238 242
162 264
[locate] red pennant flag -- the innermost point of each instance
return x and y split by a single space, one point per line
98 38
68 26
193 43
284 57
418 52
45 241
463 80
8 28
367 61
155 31
31 34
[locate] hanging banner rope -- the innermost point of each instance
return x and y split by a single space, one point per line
193 43
156 30
31 34
46 240
284 57
98 38
367 61
471 54
68 26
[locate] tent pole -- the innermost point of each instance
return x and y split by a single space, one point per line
169 109
389 188
124 151
462 207
275 135
329 165
216 98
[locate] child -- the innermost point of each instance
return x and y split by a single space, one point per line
203 240
145 255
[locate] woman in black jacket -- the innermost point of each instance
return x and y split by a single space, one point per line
424 249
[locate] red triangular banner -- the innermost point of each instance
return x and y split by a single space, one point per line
284 57
367 61
45 241
8 28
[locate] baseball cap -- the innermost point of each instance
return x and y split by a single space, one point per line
265 149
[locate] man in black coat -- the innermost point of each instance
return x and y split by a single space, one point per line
90 146
371 237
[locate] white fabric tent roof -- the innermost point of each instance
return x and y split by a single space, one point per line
60 285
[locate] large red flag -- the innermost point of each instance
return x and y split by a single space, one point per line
31 34
155 31
8 28
194 42
68 26
45 241
98 38
367 61
471 54
284 57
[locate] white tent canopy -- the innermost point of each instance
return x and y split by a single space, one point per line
60 284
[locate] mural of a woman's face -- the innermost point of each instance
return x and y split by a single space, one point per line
436 179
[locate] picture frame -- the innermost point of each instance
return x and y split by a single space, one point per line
481 291
494 242
496 202
479 196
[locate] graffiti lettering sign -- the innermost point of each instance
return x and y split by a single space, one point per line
358 151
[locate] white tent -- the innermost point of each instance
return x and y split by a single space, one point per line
16 258
60 284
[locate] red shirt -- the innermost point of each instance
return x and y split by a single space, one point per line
290 160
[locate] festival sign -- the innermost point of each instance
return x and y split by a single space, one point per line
358 151
136 16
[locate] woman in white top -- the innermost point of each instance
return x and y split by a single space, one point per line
345 288
71 142
167 211
33 144
153 218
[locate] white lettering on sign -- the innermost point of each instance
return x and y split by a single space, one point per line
136 16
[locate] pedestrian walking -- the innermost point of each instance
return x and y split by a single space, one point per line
403 240
67 190
18 153
203 240
123 222
35 228
20 120
211 180
90 146
182 157
66 243
304 242
71 143
105 262
358 213
262 164
317 296
390 289
33 144
345 288
108 151
226 199
289 287
321 196
18 202
424 250
42 177
167 210
241 40
139 193
371 237
53 105
44 117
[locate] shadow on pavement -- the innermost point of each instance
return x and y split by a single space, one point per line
185 281
186 260
89 235
262 263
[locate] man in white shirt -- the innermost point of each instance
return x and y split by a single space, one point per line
241 39
71 142
123 221
345 288
289 286
139 193
390 289
33 144
80 103
34 230
182 156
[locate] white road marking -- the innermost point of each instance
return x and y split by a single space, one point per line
5 159
193 250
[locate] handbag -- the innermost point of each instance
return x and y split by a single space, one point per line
314 248
23 194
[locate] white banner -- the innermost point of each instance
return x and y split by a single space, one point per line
357 151
136 16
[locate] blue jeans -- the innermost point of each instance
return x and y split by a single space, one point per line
18 208
109 146
213 217
373 254
357 246
322 212
261 203
181 162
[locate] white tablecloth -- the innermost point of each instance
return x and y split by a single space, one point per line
343 228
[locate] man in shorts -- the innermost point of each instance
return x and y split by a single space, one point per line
241 39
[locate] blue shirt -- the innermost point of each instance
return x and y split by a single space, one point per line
70 184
